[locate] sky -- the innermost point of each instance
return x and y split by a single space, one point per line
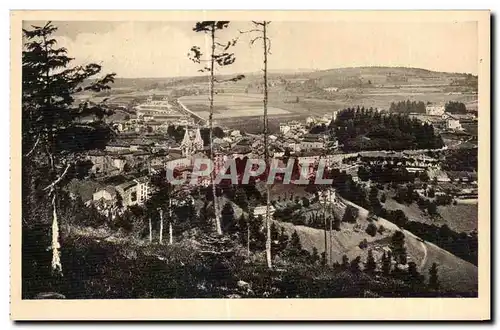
159 49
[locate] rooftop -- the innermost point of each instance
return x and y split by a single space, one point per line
127 185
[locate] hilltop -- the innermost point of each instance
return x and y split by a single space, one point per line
376 75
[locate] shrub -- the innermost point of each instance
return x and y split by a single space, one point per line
350 215
305 202
381 229
383 198
371 229
336 223
363 244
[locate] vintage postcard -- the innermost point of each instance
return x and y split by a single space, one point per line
250 165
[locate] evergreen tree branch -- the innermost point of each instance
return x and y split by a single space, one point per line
34 146
53 184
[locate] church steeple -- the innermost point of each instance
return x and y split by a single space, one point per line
198 141
191 142
186 143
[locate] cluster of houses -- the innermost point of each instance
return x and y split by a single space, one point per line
460 184
131 191
295 136
436 115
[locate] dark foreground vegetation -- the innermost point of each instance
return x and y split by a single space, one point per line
96 269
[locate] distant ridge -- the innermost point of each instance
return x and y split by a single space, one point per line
303 71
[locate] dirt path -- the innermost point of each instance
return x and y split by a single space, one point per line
424 260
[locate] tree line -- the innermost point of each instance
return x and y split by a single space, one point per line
359 129
407 107
455 107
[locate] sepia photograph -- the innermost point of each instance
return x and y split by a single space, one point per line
266 162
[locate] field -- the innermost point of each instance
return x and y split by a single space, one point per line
230 106
284 105
460 217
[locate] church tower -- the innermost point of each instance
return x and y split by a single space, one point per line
186 143
191 142
198 141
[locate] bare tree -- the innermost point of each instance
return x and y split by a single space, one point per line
161 226
150 231
170 219
261 29
219 56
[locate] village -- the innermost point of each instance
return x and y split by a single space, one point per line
161 138
236 181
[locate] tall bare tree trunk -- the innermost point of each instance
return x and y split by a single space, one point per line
150 231
331 236
248 238
56 255
170 233
327 256
170 219
266 153
211 127
161 226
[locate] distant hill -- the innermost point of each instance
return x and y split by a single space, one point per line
340 78
364 76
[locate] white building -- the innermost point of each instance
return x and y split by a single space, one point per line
328 196
134 192
312 141
284 128
143 190
453 124
107 195
434 110
261 210
311 120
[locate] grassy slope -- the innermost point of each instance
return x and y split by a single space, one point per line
461 217
454 273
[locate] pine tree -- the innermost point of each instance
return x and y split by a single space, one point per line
53 139
398 247
323 258
345 262
414 276
350 214
227 218
315 256
283 239
355 264
370 265
336 222
219 56
295 245
241 199
433 277
386 263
